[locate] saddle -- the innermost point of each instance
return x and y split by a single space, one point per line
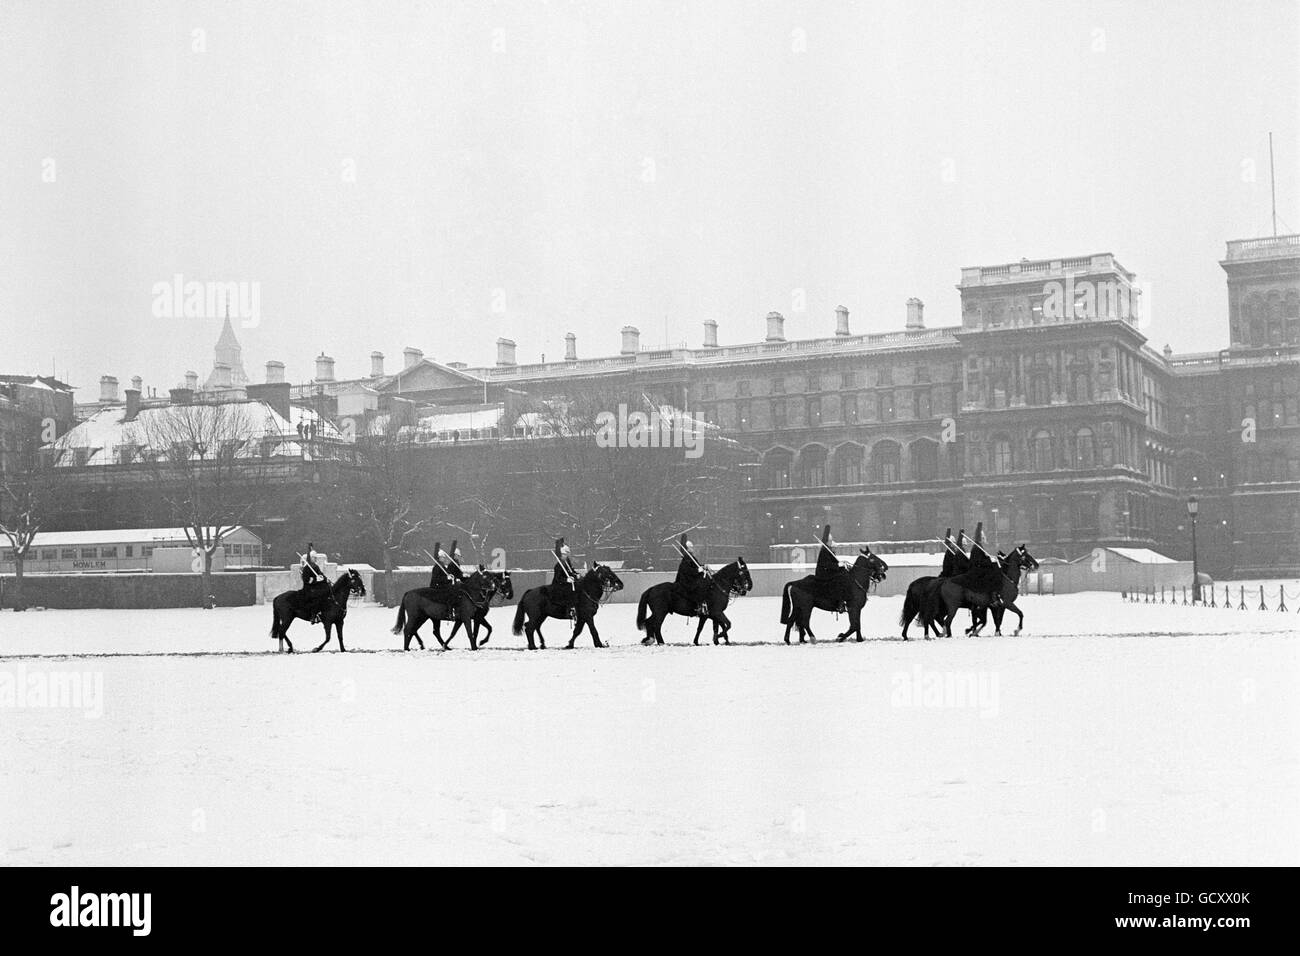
835 590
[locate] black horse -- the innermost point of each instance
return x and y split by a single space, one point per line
974 589
494 583
1017 563
536 606
462 603
798 598
330 603
659 601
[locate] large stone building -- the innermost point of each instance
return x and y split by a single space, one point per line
1045 413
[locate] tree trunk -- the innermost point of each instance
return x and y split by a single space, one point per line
388 577
19 603
208 601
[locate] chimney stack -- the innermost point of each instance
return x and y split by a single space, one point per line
133 400
775 327
108 388
192 381
182 396
411 357
631 340
505 352
570 347
274 391
376 364
710 334
841 321
915 314
274 372
324 368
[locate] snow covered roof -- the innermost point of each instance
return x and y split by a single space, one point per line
1138 555
106 432
54 539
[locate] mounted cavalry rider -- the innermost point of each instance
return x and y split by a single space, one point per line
832 575
954 558
441 578
453 563
693 578
314 582
985 574
564 581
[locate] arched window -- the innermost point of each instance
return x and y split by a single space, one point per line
776 468
850 409
1000 460
925 460
812 466
814 412
1085 449
886 458
848 465
1041 449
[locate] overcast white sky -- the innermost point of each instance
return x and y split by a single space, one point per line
530 168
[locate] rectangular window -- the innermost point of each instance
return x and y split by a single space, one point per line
130 551
68 554
88 553
146 550
848 380
108 551
885 376
50 554
886 403
851 409
921 403
778 414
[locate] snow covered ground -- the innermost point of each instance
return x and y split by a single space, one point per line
1108 732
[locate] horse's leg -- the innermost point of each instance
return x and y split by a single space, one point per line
326 624
483 622
284 635
699 628
595 634
470 631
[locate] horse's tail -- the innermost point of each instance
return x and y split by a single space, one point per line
641 610
518 627
911 605
785 603
275 622
401 617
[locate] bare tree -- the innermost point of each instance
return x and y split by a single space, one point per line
385 497
32 490
207 460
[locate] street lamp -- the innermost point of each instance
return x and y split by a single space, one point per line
1193 506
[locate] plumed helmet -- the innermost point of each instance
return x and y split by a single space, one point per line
826 533
437 549
453 550
947 535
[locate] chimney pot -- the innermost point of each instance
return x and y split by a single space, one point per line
631 340
192 380
915 314
324 368
411 357
570 347
376 364
137 383
108 388
505 352
775 327
841 321
710 334
274 372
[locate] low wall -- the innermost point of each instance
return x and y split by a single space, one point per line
130 590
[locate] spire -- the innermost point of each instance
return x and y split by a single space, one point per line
228 352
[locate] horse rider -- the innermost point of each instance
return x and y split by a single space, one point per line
312 576
985 574
954 558
692 581
441 578
453 563
830 573
564 580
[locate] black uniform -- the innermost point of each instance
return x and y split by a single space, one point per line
564 579
692 582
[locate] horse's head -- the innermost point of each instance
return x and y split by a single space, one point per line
744 583
351 579
1027 561
609 581
872 566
